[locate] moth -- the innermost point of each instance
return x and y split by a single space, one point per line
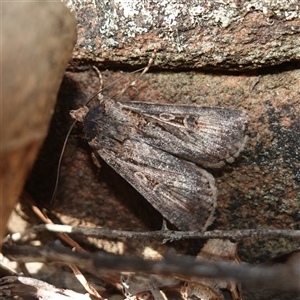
159 149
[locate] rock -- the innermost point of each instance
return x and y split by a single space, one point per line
37 39
229 35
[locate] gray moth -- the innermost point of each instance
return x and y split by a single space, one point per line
159 149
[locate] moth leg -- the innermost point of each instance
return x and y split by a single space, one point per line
95 160
164 226
146 69
100 83
150 62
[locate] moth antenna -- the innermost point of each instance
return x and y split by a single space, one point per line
100 79
113 82
59 162
68 135
72 126
145 70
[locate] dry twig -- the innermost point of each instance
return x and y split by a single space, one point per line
278 276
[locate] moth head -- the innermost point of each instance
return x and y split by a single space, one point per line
79 114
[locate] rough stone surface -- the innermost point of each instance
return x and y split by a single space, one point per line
260 190
227 35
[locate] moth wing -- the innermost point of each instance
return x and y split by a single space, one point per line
181 191
205 135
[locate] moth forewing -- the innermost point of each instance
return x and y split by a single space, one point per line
181 191
206 135
154 147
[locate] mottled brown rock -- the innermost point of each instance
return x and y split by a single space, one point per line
259 190
227 35
37 41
